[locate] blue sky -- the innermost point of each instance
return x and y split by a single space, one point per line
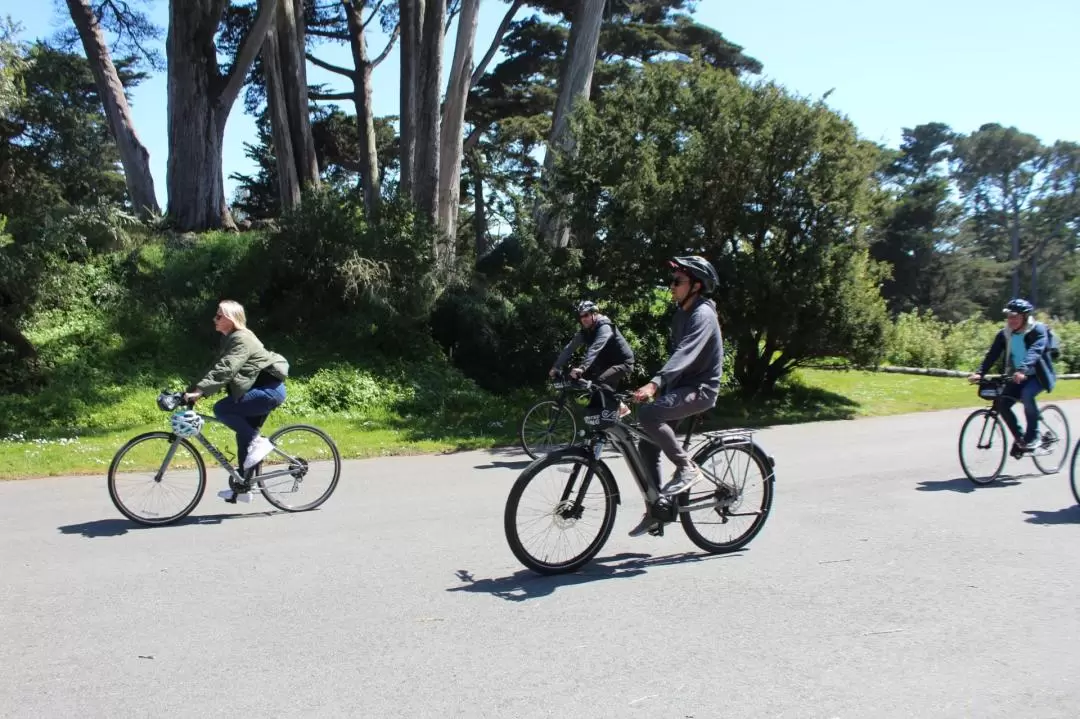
890 65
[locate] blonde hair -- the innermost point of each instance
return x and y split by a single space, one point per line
234 311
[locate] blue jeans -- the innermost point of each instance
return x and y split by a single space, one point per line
246 415
1025 392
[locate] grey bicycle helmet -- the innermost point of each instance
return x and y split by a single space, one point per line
698 268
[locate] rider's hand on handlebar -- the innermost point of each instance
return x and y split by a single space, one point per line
1019 377
576 373
553 373
192 397
645 392
974 378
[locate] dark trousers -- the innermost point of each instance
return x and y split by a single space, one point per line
1024 392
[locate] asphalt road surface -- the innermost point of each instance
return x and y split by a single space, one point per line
883 585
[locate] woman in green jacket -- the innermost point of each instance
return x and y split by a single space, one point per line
254 379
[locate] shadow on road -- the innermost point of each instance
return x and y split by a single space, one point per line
116 526
1069 515
497 464
965 485
524 585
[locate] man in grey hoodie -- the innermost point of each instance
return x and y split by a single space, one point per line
690 380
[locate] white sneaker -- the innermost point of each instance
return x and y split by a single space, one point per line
227 495
257 451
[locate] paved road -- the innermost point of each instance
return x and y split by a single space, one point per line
883 585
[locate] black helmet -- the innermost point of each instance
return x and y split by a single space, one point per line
1019 304
586 307
700 269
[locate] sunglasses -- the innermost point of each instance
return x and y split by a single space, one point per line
678 281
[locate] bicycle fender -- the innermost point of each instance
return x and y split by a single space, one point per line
597 465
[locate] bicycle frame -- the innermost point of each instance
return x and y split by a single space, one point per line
622 436
220 458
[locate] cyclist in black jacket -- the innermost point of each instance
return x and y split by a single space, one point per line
608 359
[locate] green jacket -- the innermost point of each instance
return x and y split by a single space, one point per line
241 360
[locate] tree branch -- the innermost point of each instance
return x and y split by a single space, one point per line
330 95
496 42
389 46
331 68
374 12
245 55
328 34
453 9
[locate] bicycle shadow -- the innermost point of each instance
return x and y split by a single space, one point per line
1068 515
525 584
963 485
117 527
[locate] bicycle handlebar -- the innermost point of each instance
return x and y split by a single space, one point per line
168 401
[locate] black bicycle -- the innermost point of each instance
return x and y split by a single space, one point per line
159 477
983 445
561 509
550 424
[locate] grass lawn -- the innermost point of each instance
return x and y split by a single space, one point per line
811 395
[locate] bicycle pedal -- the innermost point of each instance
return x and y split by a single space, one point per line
657 531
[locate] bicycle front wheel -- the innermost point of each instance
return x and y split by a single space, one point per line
560 512
157 478
982 447
548 426
1072 474
303 469
1054 434
727 509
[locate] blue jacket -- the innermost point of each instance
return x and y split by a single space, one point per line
1036 362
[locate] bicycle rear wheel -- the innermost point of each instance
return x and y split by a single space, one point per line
983 446
156 478
727 509
548 426
303 469
1055 436
560 512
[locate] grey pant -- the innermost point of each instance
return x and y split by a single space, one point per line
659 418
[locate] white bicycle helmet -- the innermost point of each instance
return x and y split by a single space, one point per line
186 423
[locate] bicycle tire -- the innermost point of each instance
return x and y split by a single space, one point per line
1072 473
997 432
1041 460
331 451
563 416
114 473
754 457
560 520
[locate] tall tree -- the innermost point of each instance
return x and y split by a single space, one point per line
997 170
412 30
285 70
345 23
201 97
452 133
773 189
574 85
133 154
425 188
